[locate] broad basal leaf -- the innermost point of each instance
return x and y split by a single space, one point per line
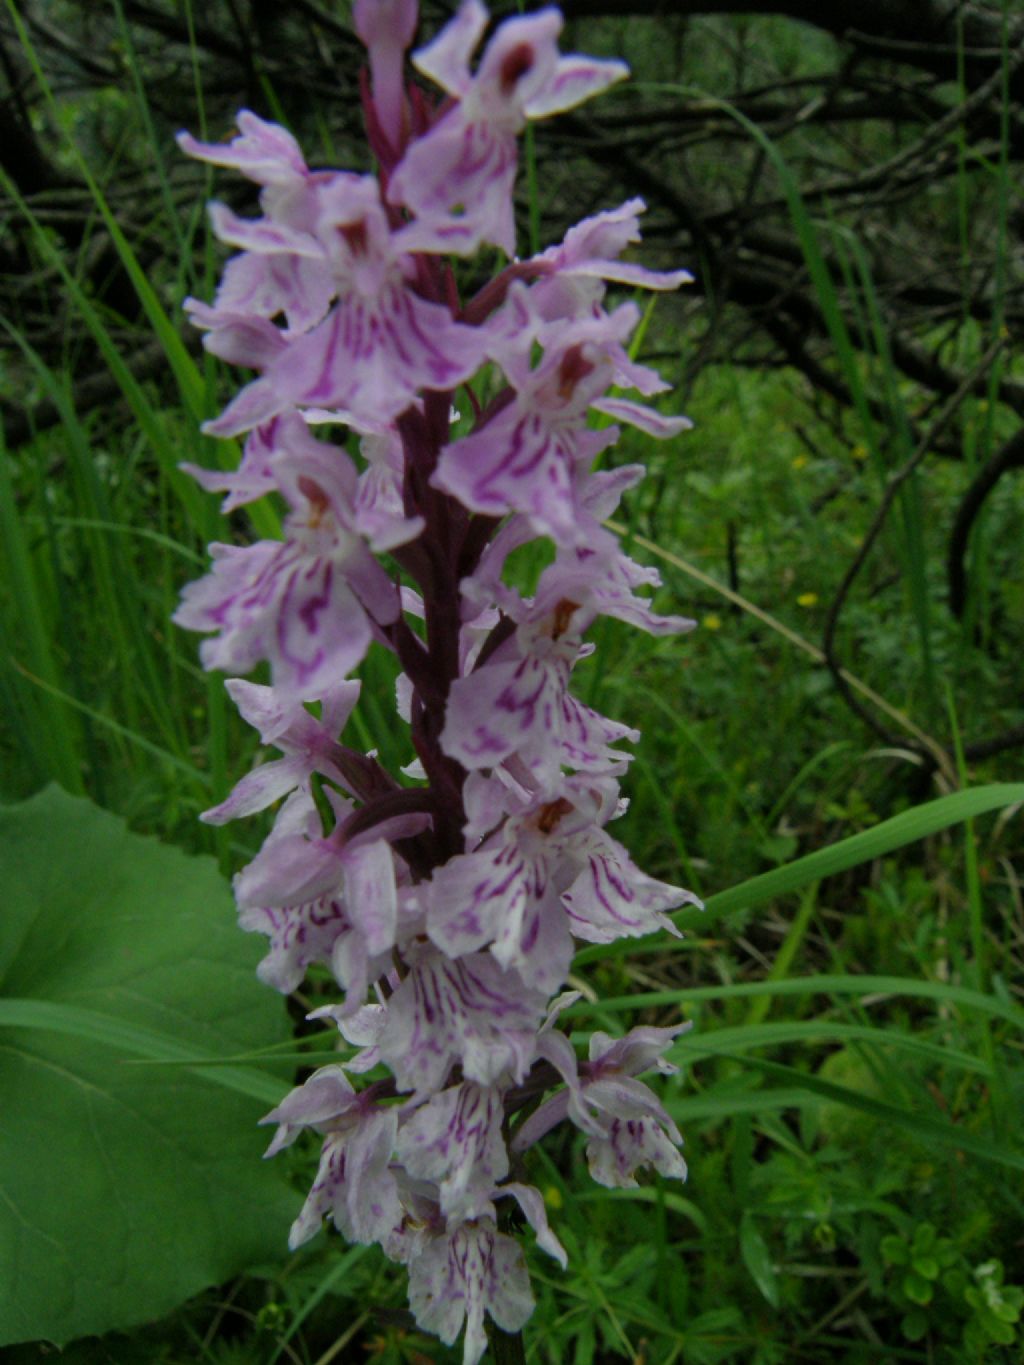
124 1187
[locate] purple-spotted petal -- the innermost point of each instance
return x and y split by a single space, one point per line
460 1276
532 1204
467 1011
371 357
354 1184
575 79
639 415
265 152
611 898
455 1139
446 59
628 1145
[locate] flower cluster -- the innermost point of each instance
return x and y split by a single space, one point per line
446 900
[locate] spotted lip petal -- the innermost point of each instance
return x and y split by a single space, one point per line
302 604
372 356
520 703
462 1275
455 1140
467 1011
354 1184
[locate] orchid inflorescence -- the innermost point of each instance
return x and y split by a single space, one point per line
445 904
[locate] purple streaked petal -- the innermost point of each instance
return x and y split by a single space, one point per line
499 708
467 1011
299 934
371 357
458 165
261 235
532 1204
455 1139
628 1145
354 1184
611 898
265 152
460 1276
639 415
516 463
258 790
446 59
576 79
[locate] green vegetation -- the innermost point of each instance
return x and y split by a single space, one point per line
851 1090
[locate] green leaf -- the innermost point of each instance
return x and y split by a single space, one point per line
758 1260
914 1325
917 1290
124 1189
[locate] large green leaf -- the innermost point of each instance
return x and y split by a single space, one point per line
124 1188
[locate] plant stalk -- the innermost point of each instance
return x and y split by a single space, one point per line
506 1347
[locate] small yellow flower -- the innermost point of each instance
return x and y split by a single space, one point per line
983 405
807 599
1004 333
553 1197
799 462
712 622
859 452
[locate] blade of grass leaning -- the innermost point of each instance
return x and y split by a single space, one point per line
328 1285
901 446
172 215
979 972
192 386
896 832
812 765
773 623
788 950
115 727
696 1047
186 373
116 583
51 734
55 1017
921 1126
877 987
